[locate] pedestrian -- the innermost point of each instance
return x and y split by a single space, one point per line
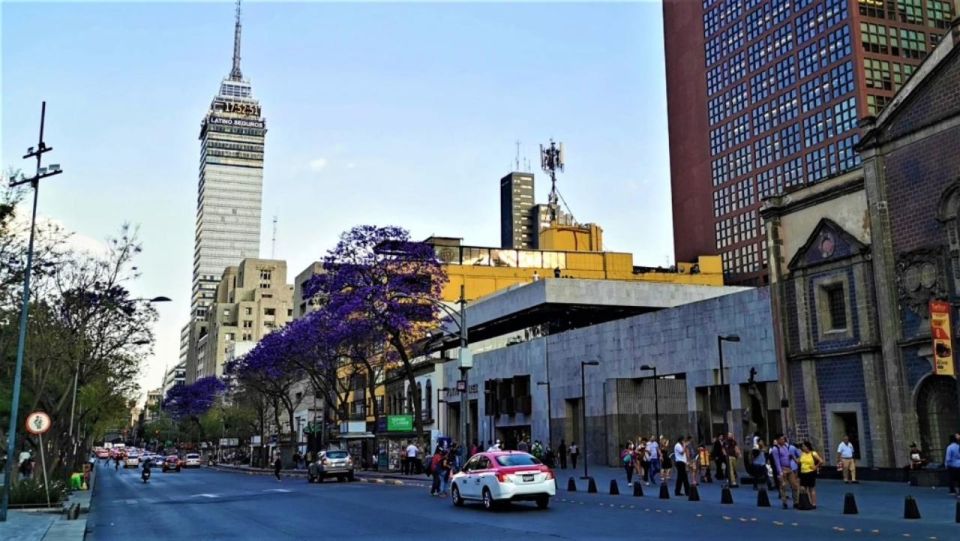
537 450
846 462
666 461
410 459
952 461
703 456
574 452
758 465
784 457
639 459
756 440
434 469
494 447
653 456
719 457
475 448
550 457
445 469
522 446
682 486
277 466
810 463
26 469
562 454
627 458
917 462
732 450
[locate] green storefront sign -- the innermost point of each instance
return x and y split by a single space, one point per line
399 423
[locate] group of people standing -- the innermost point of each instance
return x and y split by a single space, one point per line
651 457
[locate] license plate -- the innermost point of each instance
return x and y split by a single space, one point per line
528 478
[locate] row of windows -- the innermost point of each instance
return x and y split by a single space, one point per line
832 121
778 77
782 177
939 12
877 38
728 42
736 229
729 135
810 23
725 74
774 45
827 87
729 103
758 22
744 259
780 110
886 75
716 19
832 159
824 51
736 164
875 104
733 197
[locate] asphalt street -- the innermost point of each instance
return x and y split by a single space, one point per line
209 504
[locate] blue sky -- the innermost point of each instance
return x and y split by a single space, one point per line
401 114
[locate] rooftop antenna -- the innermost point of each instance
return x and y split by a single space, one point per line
273 245
517 158
235 73
551 161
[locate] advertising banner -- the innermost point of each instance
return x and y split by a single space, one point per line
941 331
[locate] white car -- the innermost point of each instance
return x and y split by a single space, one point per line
504 477
132 460
192 460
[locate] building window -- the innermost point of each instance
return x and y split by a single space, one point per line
247 324
248 311
269 311
877 74
836 307
912 44
909 11
875 104
873 8
265 275
939 13
873 38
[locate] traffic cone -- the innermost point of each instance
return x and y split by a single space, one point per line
571 485
805 504
850 504
694 495
592 486
638 491
614 489
726 496
664 492
910 509
763 499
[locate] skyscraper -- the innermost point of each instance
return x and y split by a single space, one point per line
518 224
229 195
765 95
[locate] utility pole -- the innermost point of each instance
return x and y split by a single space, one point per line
34 181
466 363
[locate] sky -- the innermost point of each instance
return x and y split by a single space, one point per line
377 113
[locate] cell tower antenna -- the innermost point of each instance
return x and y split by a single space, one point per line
551 161
235 73
273 244
517 158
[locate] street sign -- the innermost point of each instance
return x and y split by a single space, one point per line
461 385
399 423
38 422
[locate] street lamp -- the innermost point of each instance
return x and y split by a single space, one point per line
446 390
34 181
489 397
656 397
549 415
583 413
723 388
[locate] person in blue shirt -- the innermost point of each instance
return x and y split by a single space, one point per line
952 462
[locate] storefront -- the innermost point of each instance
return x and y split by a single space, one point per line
394 434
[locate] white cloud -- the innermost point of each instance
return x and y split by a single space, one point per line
318 164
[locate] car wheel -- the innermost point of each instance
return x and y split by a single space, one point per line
351 477
488 502
455 493
543 502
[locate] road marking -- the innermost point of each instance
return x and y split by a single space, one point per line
281 490
132 502
203 495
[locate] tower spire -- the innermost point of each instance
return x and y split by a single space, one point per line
235 73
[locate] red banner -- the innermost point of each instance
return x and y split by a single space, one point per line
941 331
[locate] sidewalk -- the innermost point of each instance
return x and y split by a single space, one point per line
47 524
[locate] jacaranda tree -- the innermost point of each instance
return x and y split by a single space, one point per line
189 402
381 286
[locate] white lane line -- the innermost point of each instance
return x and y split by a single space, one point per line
281 490
203 495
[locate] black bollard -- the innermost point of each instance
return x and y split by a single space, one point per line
614 489
850 504
910 509
694 495
958 513
571 485
763 499
664 492
804 504
726 496
591 486
638 491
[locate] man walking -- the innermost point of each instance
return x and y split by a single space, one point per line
952 462
719 457
732 450
574 453
846 461
680 462
562 454
408 464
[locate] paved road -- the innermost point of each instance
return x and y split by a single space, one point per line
209 504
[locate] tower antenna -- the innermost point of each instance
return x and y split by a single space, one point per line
517 158
273 244
235 73
551 161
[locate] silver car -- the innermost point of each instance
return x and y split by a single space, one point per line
335 463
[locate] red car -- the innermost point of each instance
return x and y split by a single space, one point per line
172 462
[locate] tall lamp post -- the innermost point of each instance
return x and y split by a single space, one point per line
723 387
656 397
34 181
549 414
583 413
439 390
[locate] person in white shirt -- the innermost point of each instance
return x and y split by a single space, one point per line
680 462
494 447
846 461
653 455
410 464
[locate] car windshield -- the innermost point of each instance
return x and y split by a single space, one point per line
517 460
336 454
193 456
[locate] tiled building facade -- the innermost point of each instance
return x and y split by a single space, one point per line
764 97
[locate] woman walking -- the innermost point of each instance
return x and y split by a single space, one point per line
810 463
277 466
627 458
666 461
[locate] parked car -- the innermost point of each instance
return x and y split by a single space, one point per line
171 463
192 460
335 463
503 477
132 460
